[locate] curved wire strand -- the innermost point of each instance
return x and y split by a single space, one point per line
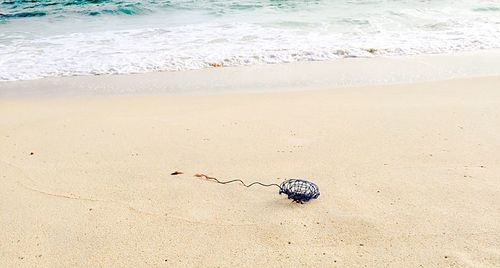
236 180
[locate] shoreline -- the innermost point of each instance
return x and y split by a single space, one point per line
348 72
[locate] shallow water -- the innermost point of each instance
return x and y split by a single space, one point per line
58 38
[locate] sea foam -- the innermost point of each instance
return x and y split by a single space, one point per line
121 38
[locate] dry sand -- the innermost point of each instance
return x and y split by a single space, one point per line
409 176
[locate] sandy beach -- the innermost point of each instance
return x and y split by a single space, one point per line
408 174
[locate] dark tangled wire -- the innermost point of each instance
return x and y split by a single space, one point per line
298 190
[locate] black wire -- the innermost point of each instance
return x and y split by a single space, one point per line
237 180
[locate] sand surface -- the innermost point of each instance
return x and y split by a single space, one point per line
409 176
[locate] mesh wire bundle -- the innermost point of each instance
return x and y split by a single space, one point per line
299 191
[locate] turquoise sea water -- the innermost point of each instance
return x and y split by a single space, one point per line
77 37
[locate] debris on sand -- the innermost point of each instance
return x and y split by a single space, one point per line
215 64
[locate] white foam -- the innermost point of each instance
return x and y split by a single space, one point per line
151 45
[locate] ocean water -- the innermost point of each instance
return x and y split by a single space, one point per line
75 37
